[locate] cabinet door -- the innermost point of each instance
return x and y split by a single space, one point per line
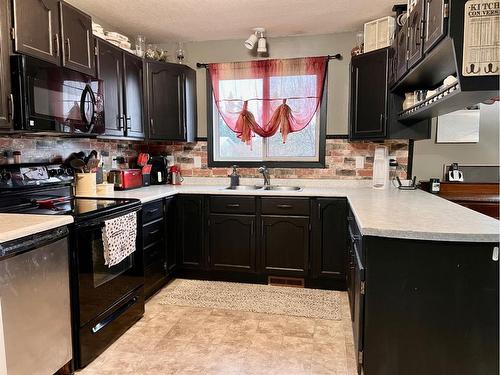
191 117
133 96
165 101
36 25
435 25
358 323
77 40
232 242
368 115
285 245
5 93
109 69
415 34
330 238
402 41
171 219
191 231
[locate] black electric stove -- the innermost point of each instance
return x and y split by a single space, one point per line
106 301
47 190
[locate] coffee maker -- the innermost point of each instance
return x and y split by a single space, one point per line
159 171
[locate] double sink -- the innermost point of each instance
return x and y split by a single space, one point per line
265 187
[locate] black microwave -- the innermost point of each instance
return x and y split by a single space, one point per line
52 99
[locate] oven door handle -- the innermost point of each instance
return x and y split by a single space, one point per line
99 221
103 323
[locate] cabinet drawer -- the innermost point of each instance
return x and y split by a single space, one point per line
242 205
154 254
152 232
152 211
285 206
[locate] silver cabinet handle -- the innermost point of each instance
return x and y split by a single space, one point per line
495 254
56 43
128 123
152 125
284 206
10 100
119 119
68 49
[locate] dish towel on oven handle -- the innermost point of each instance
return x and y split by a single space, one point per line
119 238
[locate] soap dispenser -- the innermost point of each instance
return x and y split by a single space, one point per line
235 177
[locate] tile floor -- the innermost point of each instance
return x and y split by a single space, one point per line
190 340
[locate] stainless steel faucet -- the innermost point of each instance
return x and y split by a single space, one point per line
265 175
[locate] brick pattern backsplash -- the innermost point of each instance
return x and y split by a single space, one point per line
193 159
340 160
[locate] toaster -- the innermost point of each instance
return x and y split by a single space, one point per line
125 179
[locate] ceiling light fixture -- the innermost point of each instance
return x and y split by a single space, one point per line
257 38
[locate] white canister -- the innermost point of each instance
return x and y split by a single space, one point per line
85 184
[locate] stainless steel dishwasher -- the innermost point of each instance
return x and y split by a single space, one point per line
35 316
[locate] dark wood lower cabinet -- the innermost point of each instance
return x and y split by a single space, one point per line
329 238
191 227
231 242
171 238
154 242
285 245
426 307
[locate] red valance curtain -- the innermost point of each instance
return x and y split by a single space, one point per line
264 96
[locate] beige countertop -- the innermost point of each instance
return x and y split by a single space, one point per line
385 213
20 225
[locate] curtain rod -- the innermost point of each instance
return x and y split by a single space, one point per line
338 56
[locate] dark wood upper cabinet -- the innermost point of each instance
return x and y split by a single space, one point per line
402 51
368 112
123 90
191 227
329 233
285 245
435 23
5 93
170 111
165 101
232 242
373 109
36 29
77 39
134 97
110 70
415 34
54 31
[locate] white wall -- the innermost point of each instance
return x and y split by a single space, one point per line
286 47
429 157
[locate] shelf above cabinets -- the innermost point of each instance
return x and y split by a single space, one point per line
430 56
429 72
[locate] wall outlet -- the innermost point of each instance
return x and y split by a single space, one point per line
360 162
197 161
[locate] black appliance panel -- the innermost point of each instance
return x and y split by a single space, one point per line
48 98
101 286
102 331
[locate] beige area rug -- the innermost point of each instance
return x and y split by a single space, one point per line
309 303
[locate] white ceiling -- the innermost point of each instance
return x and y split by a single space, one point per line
198 20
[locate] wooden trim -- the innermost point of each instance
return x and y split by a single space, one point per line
337 136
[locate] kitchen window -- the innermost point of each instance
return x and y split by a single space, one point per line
304 148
